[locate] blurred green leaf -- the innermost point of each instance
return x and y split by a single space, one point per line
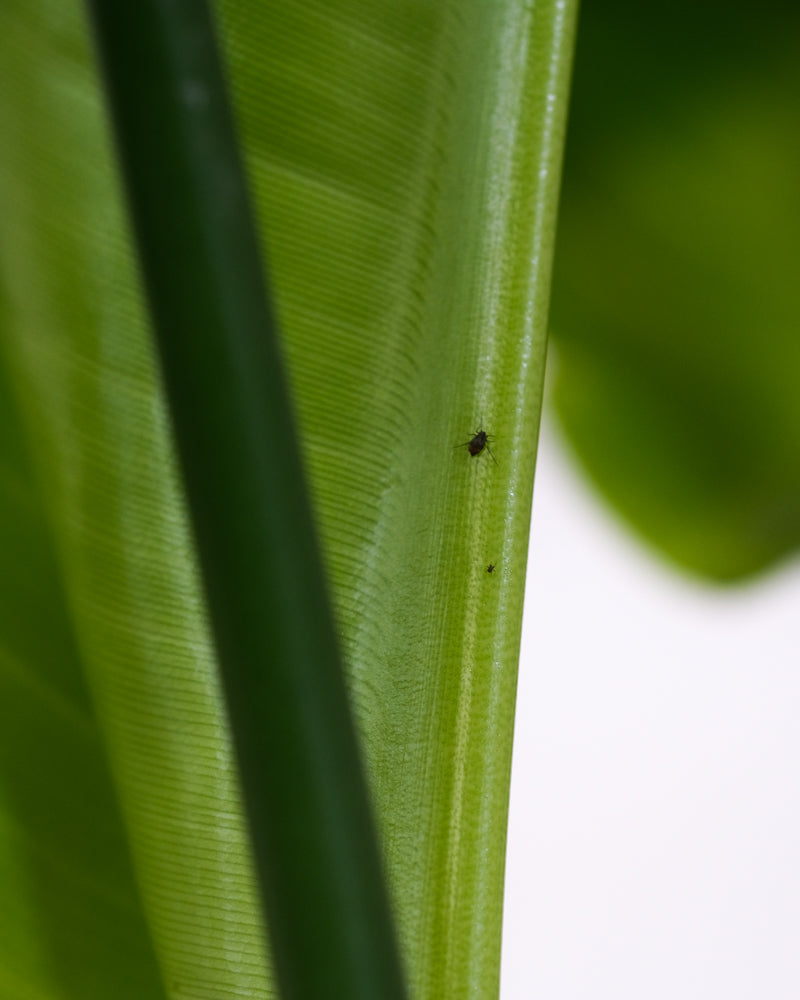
70 901
675 298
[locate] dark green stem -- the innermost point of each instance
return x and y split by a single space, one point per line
302 780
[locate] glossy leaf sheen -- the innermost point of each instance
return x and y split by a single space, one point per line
427 283
404 159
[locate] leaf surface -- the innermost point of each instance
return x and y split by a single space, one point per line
404 161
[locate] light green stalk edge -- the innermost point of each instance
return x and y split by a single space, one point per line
404 159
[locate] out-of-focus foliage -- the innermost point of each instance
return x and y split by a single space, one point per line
676 309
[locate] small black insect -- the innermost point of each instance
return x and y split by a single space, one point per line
490 568
477 444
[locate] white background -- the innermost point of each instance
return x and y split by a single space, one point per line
654 838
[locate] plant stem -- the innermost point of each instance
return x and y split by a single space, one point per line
305 797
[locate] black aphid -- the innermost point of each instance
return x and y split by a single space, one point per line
490 568
478 443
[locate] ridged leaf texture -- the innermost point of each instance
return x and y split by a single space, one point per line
404 161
